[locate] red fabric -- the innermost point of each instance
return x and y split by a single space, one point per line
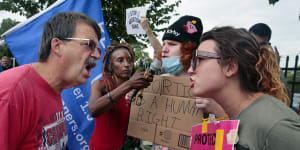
110 128
31 111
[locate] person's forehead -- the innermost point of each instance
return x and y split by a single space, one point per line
170 41
120 52
85 30
207 45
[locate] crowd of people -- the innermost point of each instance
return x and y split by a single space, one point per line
234 74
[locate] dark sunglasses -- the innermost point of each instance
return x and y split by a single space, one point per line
91 44
202 55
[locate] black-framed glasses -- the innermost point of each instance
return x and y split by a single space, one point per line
202 55
90 43
264 43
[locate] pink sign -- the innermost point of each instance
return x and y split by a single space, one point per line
220 135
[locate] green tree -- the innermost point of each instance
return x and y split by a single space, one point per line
4 26
26 8
290 77
272 2
159 12
142 58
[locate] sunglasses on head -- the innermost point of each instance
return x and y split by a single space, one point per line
90 43
202 55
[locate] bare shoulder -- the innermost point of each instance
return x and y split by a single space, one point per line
99 87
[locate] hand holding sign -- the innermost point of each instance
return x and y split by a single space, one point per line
144 23
220 135
133 16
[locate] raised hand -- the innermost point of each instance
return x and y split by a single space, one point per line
144 23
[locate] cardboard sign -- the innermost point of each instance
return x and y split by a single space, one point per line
220 135
166 113
133 16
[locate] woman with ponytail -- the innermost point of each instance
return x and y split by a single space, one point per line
230 67
107 102
269 72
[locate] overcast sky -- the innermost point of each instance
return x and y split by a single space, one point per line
283 18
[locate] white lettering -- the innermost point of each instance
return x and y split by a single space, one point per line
84 106
101 25
173 32
77 92
85 147
68 117
102 41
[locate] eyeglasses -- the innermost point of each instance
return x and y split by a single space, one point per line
201 55
91 44
264 43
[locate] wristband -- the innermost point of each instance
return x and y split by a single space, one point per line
110 99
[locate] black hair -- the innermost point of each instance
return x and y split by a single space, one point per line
261 30
63 25
107 72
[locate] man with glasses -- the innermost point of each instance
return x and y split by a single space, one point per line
32 114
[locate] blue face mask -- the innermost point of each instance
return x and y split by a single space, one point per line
172 65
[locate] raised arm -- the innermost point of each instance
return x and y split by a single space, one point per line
153 40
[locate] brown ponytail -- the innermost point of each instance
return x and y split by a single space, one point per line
269 72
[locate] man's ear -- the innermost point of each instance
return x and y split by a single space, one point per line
56 45
231 68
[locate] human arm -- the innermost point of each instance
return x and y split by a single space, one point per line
99 102
10 125
153 40
210 106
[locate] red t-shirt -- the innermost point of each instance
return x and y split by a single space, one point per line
111 127
32 115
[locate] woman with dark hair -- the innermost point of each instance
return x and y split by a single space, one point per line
107 102
231 67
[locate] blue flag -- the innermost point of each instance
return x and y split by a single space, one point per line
24 41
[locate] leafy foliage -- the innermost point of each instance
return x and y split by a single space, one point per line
159 12
26 8
5 25
115 16
272 2
142 58
290 77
